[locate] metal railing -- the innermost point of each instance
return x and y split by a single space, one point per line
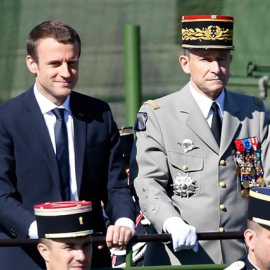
146 238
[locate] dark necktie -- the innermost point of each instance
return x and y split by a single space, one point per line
216 123
61 140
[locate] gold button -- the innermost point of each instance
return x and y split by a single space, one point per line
221 229
185 167
222 207
222 184
222 162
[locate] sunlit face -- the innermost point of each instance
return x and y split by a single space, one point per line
209 69
57 69
258 243
67 254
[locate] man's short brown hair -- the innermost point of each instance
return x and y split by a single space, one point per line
61 32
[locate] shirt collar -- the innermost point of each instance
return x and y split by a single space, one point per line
205 103
46 105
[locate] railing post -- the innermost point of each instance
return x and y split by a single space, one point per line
129 255
132 72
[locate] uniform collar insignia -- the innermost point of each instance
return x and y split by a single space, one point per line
187 145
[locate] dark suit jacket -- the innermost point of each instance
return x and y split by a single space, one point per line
29 173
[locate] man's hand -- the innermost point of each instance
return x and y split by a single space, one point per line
118 235
183 235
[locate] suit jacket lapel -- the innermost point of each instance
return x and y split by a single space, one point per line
230 122
195 119
38 130
80 126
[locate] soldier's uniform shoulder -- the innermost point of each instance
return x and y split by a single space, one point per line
154 104
247 99
142 116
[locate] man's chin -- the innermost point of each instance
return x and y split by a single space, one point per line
216 87
65 91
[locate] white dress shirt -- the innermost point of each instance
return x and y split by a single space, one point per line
46 107
205 103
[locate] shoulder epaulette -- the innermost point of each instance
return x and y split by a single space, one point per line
152 103
257 101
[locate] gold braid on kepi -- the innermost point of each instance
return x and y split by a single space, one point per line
207 32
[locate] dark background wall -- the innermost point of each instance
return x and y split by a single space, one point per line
101 26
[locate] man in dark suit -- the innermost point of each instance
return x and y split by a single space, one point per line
30 171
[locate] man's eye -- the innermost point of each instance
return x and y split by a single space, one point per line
72 63
68 247
54 64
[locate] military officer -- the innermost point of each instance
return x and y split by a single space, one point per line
257 234
198 151
65 230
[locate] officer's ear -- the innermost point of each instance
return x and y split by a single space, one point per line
184 62
44 251
250 237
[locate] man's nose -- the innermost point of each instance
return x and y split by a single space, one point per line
80 256
65 72
215 67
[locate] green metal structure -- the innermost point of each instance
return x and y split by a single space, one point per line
101 25
132 72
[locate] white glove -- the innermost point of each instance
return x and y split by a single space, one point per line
183 235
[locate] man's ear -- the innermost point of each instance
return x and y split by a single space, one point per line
44 251
184 62
31 64
250 237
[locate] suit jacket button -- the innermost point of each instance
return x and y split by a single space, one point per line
222 184
222 207
222 162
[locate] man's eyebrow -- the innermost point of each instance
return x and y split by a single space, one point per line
74 59
68 243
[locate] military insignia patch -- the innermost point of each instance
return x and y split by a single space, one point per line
141 121
187 145
184 186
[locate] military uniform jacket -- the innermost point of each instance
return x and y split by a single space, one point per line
242 264
213 201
